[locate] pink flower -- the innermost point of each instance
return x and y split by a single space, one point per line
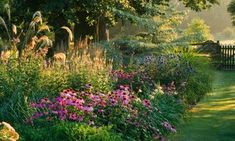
80 107
113 102
81 118
73 116
55 112
62 117
88 86
100 111
168 126
146 103
33 105
37 115
44 100
125 102
88 108
91 122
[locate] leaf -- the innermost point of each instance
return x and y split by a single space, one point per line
69 31
2 22
7 7
37 14
14 29
43 27
42 42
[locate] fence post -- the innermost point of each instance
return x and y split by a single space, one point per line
219 55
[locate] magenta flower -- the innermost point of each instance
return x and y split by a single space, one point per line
37 115
100 111
62 117
146 103
88 108
73 116
81 118
33 105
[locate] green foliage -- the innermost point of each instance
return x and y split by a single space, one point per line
200 83
133 46
160 32
17 84
28 80
67 132
197 87
231 10
198 5
52 82
171 109
197 31
70 12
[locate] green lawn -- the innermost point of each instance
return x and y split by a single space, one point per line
213 119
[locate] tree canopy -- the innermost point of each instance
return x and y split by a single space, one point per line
231 10
92 15
197 31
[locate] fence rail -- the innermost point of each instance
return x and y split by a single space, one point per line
227 57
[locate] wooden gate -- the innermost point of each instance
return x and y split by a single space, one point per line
227 57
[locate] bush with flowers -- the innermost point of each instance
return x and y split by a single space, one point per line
143 101
134 118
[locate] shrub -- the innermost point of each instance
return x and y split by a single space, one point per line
137 119
197 86
17 84
51 82
197 31
64 131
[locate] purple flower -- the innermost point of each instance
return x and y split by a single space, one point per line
81 118
62 117
37 115
146 103
88 86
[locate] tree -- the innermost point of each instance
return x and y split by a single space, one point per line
197 31
91 17
199 5
231 10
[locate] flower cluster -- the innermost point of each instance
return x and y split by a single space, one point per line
119 107
164 63
68 105
122 75
84 106
121 96
170 89
149 59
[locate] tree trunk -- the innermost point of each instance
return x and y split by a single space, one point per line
100 31
83 29
62 41
103 31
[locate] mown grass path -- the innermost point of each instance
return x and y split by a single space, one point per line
213 119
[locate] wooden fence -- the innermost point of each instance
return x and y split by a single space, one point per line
227 57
